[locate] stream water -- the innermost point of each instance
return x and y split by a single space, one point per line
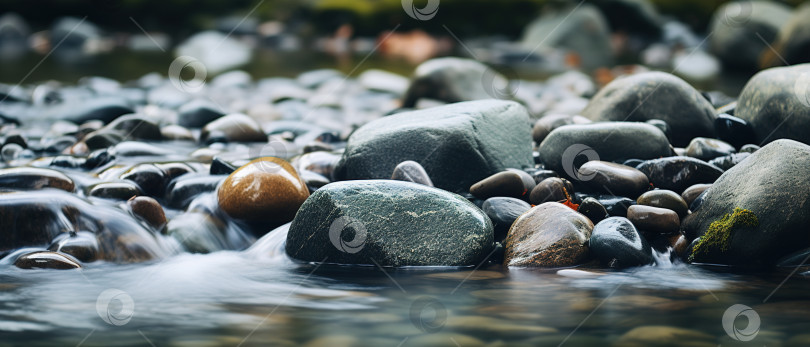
260 297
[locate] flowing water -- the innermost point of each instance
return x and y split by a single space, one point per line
260 297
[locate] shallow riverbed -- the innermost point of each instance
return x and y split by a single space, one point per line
245 298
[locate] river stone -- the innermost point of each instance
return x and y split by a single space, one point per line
591 208
452 80
105 109
148 177
736 29
548 235
654 220
690 194
235 127
197 113
611 141
34 179
149 210
617 243
551 189
772 189
776 102
81 245
706 149
135 126
116 190
267 189
457 144
503 211
613 178
34 219
511 183
664 199
655 95
389 223
734 131
47 260
679 173
182 190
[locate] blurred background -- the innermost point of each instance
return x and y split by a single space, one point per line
127 39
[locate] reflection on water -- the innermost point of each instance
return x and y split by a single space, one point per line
264 298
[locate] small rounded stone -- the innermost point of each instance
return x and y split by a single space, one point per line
614 178
149 210
664 199
690 194
592 209
47 260
550 189
654 219
34 178
510 183
265 189
82 245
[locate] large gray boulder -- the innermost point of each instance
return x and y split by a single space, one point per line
776 102
389 223
757 211
655 95
457 144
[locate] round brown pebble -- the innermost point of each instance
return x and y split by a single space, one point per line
266 189
654 219
664 199
149 210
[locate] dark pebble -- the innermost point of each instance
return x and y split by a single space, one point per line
592 209
121 190
221 167
678 173
82 245
733 130
503 211
47 260
690 194
510 183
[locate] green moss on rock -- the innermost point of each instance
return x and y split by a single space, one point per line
719 233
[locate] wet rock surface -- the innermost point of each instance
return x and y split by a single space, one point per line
751 215
345 223
457 144
548 235
655 95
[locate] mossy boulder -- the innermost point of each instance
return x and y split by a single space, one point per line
756 212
